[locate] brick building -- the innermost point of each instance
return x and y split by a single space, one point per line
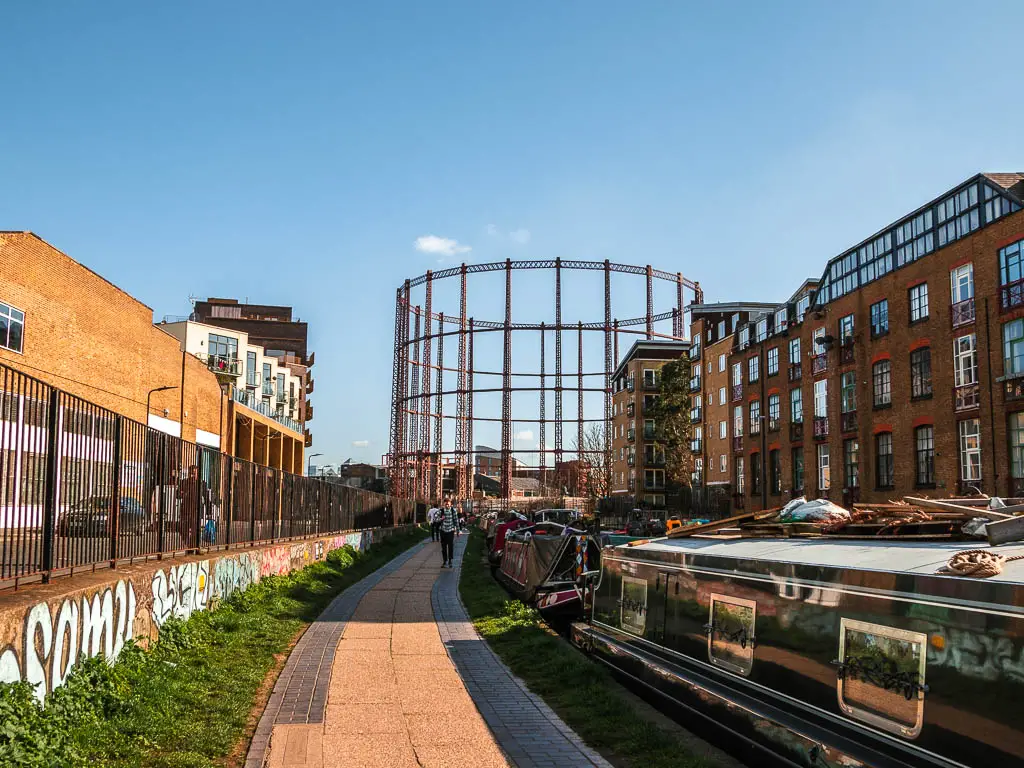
638 460
66 325
900 370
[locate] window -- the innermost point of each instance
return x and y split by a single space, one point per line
711 398
755 417
802 305
924 446
821 399
740 478
755 474
744 337
884 471
251 374
721 330
222 346
1011 273
762 329
921 373
652 400
721 363
737 421
957 215
794 351
961 283
1013 348
965 360
781 319
796 406
723 429
268 379
722 464
648 429
721 395
654 479
774 471
1017 445
709 366
753 369
824 477
12 328
651 377
851 475
918 302
881 383
774 412
737 374
970 449
848 392
798 469
880 318
818 345
846 329
773 361
731 622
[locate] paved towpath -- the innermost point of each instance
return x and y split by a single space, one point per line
395 676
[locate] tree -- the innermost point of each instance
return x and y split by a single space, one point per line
595 471
671 415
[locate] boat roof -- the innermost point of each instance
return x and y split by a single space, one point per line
895 556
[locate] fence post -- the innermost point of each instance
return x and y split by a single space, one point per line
252 506
115 492
160 494
230 496
50 502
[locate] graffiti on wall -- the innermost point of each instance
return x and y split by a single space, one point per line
276 561
55 640
235 574
180 591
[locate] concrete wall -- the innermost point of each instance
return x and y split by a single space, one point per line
46 629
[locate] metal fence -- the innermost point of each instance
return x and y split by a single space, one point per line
82 486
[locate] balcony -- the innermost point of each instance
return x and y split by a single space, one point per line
1013 389
268 387
1011 294
848 421
309 386
695 384
966 397
774 424
651 385
631 459
737 392
650 406
796 431
695 352
820 427
650 432
249 400
631 434
737 444
308 442
694 415
224 365
695 445
308 416
819 363
631 409
962 313
795 371
630 385
282 396
846 352
657 460
654 485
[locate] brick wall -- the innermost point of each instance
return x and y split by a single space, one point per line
90 338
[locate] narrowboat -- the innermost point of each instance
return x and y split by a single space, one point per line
819 653
544 566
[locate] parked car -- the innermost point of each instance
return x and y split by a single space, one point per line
91 517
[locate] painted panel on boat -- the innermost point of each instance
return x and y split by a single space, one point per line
731 633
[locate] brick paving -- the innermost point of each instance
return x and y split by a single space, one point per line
393 674
529 732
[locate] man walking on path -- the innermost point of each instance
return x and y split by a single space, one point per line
449 524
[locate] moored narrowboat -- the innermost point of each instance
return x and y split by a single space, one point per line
545 566
815 653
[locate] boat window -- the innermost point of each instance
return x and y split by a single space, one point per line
731 633
634 604
881 676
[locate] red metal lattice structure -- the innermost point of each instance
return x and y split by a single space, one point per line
415 462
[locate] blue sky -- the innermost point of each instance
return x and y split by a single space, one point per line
293 153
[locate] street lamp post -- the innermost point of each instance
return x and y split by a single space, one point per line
150 394
309 463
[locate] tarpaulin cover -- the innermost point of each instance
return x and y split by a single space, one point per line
543 554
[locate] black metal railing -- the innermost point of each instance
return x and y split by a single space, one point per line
1011 294
819 363
820 427
774 423
695 445
848 421
82 486
966 397
796 431
737 392
962 312
1013 389
846 352
737 444
795 371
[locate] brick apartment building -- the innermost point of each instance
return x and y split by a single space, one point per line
638 460
900 371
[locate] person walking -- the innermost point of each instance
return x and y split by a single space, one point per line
449 524
434 518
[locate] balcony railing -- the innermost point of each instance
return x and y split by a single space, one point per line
819 363
774 423
631 434
795 371
820 427
654 485
737 392
848 421
282 396
657 460
249 400
649 406
224 364
1013 389
651 384
846 352
694 415
695 384
966 397
268 387
1011 294
796 431
631 485
630 385
695 352
737 444
631 460
650 432
962 312
631 409
695 445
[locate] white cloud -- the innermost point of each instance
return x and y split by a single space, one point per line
360 443
492 231
526 434
443 246
521 236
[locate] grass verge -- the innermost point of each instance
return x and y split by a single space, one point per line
185 702
582 692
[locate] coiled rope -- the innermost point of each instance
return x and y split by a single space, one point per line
979 563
